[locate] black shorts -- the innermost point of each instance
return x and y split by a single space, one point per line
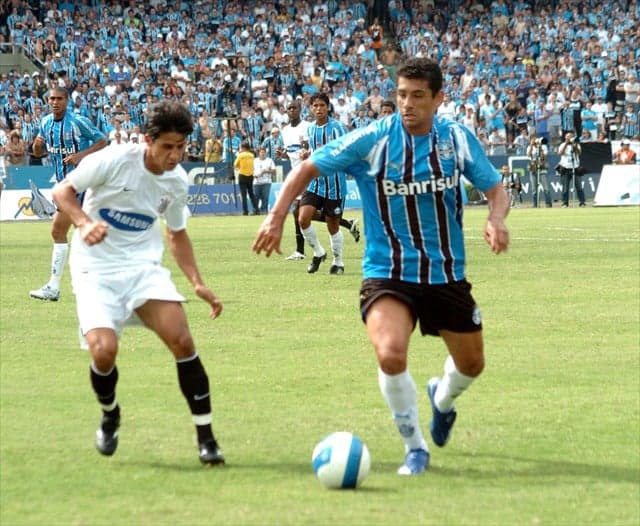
330 207
449 306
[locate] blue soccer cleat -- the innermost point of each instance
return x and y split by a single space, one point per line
415 462
441 423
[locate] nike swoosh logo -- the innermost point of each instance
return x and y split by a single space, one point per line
127 189
200 397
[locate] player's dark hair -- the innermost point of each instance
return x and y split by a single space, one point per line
319 96
168 116
389 104
424 69
60 91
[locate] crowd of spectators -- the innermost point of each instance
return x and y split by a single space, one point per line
512 68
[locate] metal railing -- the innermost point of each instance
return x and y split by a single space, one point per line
11 48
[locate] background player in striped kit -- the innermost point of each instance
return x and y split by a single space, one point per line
295 136
407 167
325 193
67 138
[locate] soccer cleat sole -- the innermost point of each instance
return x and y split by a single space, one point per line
44 298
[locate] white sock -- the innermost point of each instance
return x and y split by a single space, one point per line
337 242
399 391
311 237
452 385
58 259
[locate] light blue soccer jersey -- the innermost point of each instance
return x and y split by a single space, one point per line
331 184
411 195
69 135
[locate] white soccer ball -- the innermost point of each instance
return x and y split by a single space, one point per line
341 460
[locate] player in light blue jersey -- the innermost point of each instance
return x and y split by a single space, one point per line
325 193
67 138
408 167
296 141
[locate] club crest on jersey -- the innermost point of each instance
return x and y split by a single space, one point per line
477 316
164 204
445 150
129 221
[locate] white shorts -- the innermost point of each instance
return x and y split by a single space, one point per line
109 299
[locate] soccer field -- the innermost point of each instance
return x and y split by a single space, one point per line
548 435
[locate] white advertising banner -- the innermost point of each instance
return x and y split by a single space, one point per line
16 204
619 185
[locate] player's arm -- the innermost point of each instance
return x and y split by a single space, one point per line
75 158
64 195
496 233
182 251
270 233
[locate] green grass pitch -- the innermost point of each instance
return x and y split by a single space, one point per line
548 435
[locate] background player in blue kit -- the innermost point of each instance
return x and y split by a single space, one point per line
407 167
325 193
67 138
296 141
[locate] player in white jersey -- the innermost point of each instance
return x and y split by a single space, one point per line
115 261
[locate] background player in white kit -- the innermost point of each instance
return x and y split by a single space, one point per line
115 262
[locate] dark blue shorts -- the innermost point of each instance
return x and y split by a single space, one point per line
436 307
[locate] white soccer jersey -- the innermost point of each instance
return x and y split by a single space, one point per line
292 137
130 199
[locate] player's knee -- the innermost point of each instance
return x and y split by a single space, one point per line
103 353
59 233
472 365
391 362
181 344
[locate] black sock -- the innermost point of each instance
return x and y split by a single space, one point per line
194 385
345 223
299 236
104 385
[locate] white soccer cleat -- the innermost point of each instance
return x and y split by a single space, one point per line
296 256
45 293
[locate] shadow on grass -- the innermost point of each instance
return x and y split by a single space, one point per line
284 468
530 468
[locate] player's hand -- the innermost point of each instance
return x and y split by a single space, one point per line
206 294
72 159
268 237
39 147
93 232
496 235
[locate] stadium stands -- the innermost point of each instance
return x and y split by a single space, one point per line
541 61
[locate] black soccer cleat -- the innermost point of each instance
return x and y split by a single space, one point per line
336 270
315 263
210 453
107 435
355 231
